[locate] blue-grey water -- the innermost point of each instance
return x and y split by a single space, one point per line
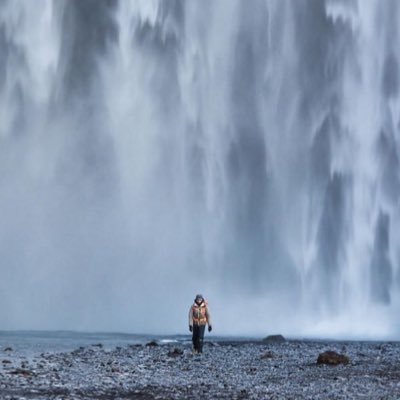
31 343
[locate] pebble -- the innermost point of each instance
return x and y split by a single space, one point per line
242 370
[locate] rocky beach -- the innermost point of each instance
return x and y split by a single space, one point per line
228 369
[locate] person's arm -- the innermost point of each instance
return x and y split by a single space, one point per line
190 318
208 315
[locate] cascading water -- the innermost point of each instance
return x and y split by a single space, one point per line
154 149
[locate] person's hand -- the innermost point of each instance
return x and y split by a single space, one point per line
190 328
209 328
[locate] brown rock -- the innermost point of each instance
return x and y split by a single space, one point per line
332 358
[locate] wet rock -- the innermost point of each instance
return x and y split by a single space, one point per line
8 349
22 372
99 345
135 346
153 343
268 355
332 358
77 351
274 339
6 362
175 353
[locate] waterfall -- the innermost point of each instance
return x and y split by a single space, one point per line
153 149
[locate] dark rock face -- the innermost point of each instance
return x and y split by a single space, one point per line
274 339
332 358
8 349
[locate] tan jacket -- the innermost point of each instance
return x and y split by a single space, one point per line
199 314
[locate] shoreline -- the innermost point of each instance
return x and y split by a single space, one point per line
61 333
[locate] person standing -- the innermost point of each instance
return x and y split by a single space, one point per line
199 317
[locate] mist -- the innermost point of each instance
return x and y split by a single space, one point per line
248 151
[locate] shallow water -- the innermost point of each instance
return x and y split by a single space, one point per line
32 342
28 343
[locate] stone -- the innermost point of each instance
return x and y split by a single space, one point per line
153 343
22 372
332 358
175 353
8 349
274 339
268 355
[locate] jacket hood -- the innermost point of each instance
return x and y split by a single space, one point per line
204 302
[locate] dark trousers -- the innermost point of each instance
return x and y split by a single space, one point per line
198 337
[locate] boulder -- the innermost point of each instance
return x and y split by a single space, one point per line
332 358
153 343
8 349
274 339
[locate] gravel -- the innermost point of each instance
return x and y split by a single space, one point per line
226 370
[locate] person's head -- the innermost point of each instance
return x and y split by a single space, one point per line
199 299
